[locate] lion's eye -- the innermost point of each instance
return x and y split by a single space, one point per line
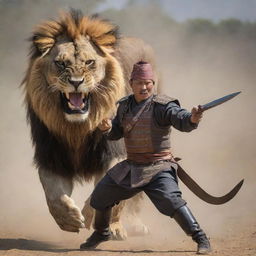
89 62
60 64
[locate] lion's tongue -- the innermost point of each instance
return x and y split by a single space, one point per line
76 99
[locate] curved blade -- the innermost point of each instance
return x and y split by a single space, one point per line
202 194
219 101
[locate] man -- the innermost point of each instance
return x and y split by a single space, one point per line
145 120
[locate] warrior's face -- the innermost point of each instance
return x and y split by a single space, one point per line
142 89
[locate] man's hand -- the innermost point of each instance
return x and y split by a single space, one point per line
105 125
197 114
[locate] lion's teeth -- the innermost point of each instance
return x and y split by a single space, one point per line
71 106
67 95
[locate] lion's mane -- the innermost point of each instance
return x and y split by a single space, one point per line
71 149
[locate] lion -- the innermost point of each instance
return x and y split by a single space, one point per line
78 69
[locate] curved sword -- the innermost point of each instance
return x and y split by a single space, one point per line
191 184
202 194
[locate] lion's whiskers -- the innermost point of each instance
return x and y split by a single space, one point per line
101 91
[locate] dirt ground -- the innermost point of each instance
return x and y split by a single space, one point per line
238 239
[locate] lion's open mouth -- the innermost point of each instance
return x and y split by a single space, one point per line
75 102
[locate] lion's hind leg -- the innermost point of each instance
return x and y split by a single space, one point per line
116 226
88 213
134 224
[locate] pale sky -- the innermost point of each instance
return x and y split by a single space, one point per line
210 9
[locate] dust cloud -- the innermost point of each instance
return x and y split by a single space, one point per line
217 155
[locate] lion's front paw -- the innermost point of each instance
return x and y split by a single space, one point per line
67 215
118 231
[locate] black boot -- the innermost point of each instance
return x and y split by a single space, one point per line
188 223
102 232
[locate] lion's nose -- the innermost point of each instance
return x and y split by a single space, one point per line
75 82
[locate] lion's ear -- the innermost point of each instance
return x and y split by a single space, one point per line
108 50
43 44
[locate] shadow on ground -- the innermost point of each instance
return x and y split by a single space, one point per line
141 251
25 244
32 245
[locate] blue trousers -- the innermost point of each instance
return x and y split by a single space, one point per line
162 190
